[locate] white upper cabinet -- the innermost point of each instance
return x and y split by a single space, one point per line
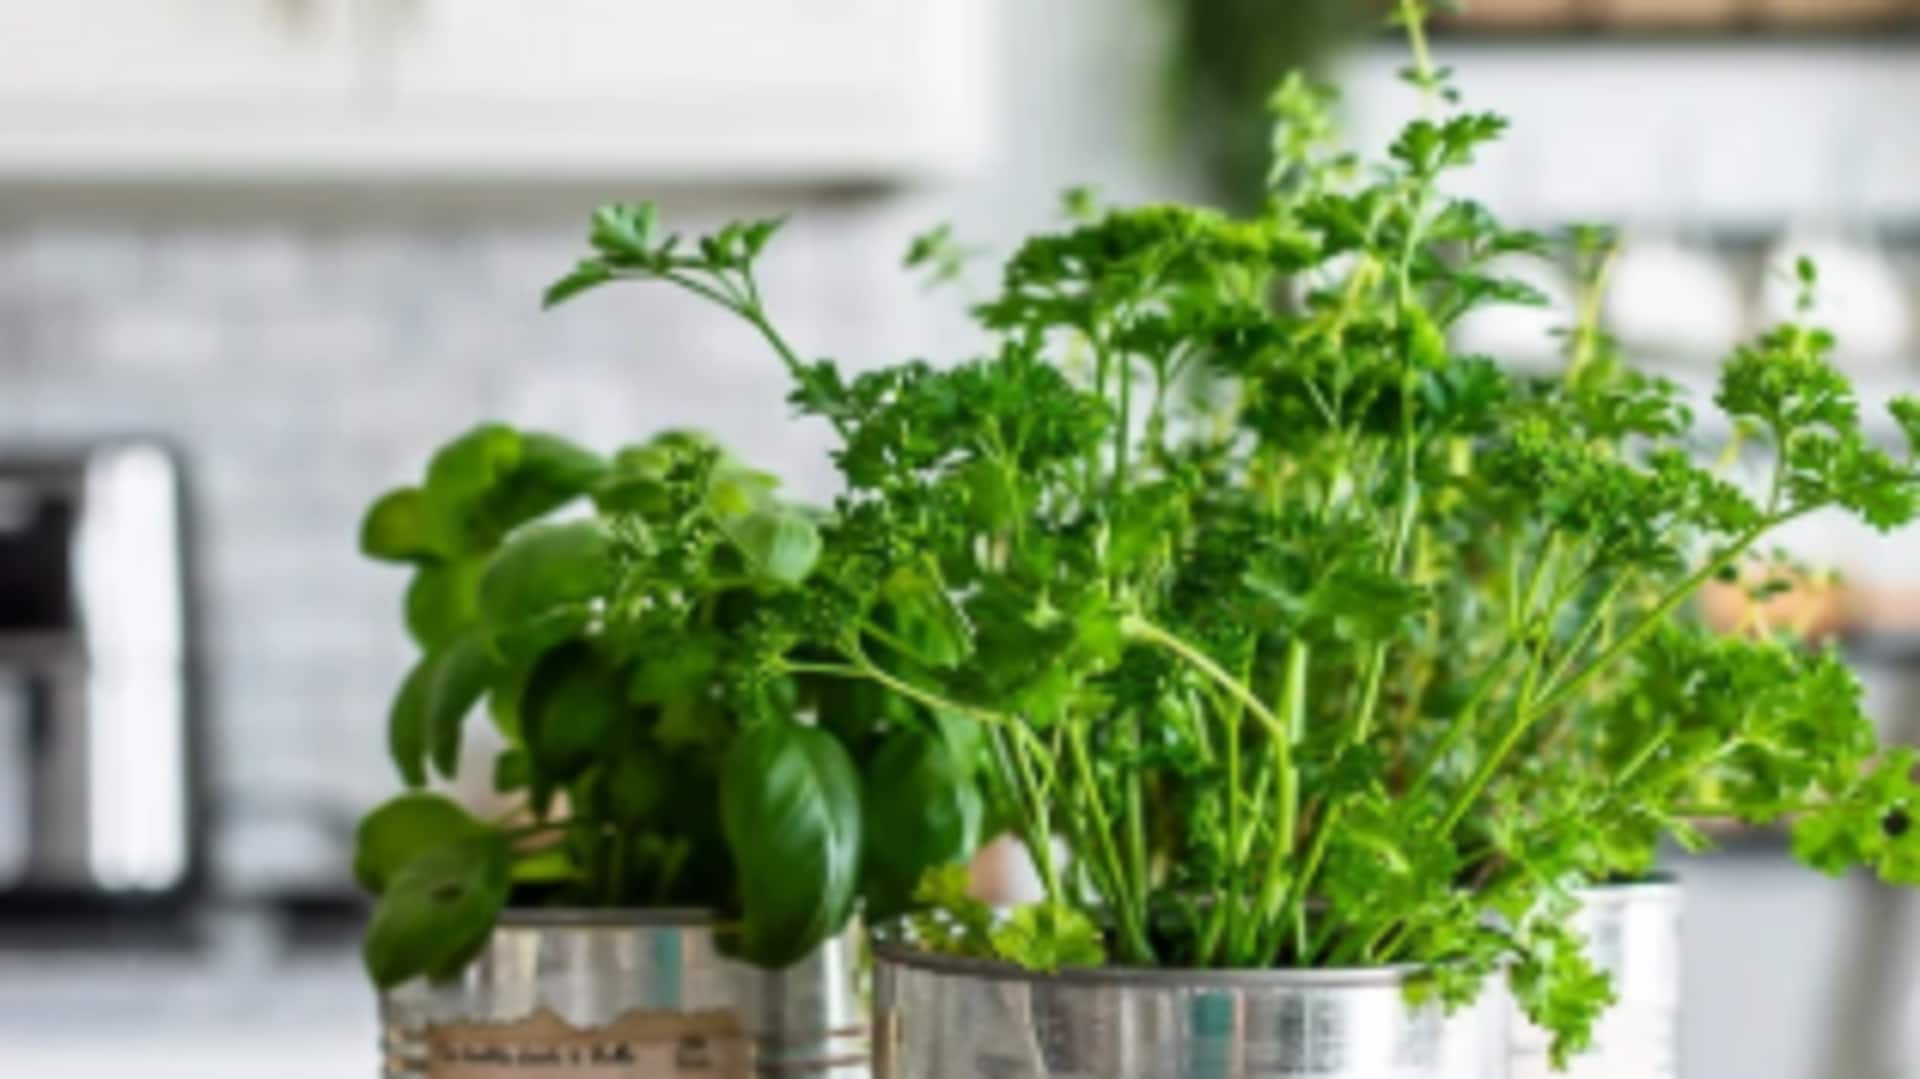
65 60
805 87
492 89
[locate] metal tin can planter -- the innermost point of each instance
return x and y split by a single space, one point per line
626 995
937 1017
1634 932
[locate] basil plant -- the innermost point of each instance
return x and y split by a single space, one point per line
625 624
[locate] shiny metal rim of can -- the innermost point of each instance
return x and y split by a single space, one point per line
605 918
1659 888
990 970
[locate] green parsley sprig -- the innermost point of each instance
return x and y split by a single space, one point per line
1313 642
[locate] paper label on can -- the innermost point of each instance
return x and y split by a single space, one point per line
638 1045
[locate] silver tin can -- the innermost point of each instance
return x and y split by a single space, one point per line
1633 931
937 1017
625 995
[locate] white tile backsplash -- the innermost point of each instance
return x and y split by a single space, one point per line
303 368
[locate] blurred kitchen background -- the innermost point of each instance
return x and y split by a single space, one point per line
257 257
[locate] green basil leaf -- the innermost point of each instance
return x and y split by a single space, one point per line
465 470
503 700
527 640
692 720
536 589
574 702
512 771
442 601
460 673
735 492
400 527
783 545
636 785
648 496
549 473
407 724
438 911
790 808
403 829
922 811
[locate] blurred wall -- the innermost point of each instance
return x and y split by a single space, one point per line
309 346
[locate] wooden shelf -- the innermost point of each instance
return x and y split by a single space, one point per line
1690 20
1903 34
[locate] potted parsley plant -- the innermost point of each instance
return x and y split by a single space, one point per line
685 827
1690 725
1318 666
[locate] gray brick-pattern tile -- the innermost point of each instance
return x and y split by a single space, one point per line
304 368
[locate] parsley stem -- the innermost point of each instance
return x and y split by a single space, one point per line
1525 717
1032 825
1135 808
515 835
1128 897
1140 629
1414 14
1658 615
752 312
1123 427
617 876
747 306
1402 532
1595 619
887 637
1584 342
1302 885
862 668
1278 882
1644 755
1040 824
1463 719
1231 911
1390 937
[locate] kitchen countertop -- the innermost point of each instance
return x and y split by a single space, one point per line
1769 948
240 1008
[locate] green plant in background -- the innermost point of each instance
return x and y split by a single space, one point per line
1226 55
1286 620
636 662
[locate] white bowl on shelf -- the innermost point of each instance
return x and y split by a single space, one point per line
1670 301
1859 296
1522 335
